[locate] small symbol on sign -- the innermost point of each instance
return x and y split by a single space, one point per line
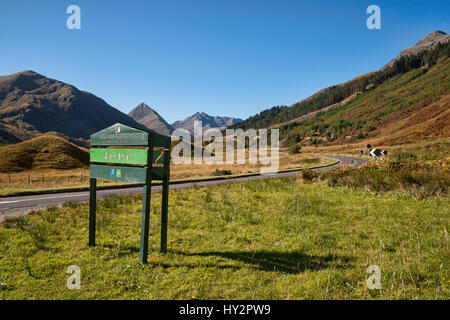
118 173
118 129
162 153
113 172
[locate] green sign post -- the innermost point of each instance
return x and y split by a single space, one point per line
123 153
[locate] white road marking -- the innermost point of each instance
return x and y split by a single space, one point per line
46 198
4 202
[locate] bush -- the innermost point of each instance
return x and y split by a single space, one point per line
360 136
309 175
218 172
292 139
295 149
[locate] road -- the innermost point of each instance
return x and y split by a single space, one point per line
20 205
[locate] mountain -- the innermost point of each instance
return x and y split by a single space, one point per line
32 104
428 42
429 51
43 152
148 117
208 122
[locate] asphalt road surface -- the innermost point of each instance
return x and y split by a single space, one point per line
19 205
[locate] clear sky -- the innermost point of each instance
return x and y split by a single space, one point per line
223 57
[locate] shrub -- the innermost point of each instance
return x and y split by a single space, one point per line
360 136
294 149
292 139
218 172
309 175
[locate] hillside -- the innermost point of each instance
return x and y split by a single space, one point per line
43 152
424 54
208 122
32 104
148 117
408 108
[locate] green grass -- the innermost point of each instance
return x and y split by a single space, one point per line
268 239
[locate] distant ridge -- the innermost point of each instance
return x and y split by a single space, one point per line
149 118
32 104
207 122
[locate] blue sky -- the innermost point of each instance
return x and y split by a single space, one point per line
230 58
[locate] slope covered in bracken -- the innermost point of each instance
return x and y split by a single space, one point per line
405 109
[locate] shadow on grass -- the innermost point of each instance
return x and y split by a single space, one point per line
288 262
123 250
130 250
291 262
4 287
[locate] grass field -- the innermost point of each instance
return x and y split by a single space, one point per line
269 239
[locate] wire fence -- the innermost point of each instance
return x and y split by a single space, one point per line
43 179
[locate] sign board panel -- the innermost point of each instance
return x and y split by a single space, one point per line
119 173
126 139
126 174
124 156
122 135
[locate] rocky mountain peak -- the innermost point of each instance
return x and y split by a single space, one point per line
149 118
428 42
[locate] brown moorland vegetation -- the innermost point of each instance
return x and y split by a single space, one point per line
43 152
402 172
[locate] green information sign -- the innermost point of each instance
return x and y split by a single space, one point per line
119 173
125 156
123 153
